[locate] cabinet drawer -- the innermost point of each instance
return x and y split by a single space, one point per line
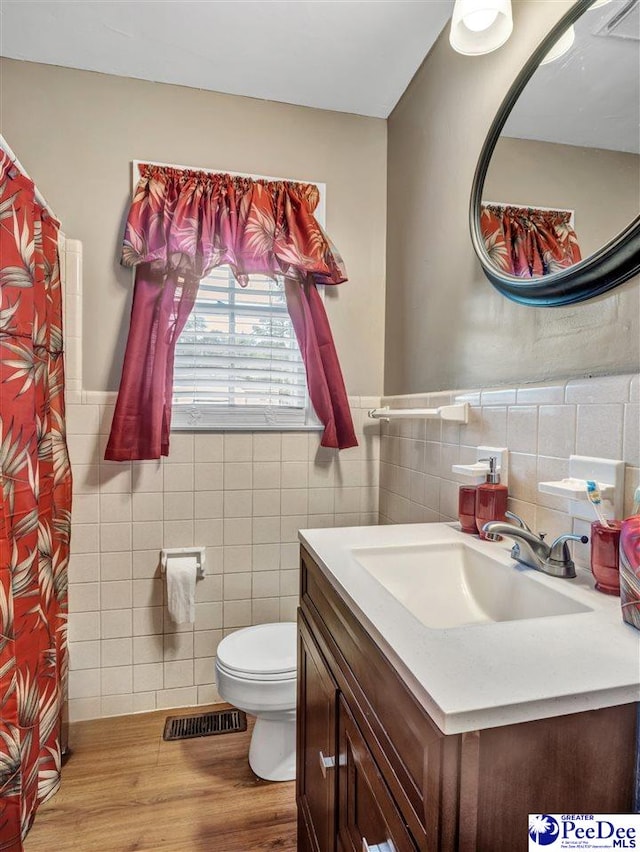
368 818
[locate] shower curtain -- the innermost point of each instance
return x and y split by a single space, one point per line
35 507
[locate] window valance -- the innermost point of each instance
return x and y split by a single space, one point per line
192 221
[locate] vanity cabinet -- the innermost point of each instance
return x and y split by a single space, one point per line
375 772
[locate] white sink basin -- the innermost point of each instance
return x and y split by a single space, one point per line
451 584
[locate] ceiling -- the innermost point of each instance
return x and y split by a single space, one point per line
353 56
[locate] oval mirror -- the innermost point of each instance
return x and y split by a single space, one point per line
555 200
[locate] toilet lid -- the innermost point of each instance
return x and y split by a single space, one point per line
266 649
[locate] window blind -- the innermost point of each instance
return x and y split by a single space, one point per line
237 361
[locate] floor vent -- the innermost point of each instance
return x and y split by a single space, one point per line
204 724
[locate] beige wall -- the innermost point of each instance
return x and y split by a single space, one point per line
456 330
602 187
76 133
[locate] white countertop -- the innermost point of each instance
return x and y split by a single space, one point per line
499 673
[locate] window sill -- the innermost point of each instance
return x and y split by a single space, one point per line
252 427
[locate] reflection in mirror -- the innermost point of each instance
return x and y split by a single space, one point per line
564 177
529 241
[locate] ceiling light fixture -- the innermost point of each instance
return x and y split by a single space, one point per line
480 26
561 46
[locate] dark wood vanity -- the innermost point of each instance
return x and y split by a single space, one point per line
375 772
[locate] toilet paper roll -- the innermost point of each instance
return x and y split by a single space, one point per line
181 588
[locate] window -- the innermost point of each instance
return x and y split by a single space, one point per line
237 361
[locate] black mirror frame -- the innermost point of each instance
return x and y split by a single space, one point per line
610 266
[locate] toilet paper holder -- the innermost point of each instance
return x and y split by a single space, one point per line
168 553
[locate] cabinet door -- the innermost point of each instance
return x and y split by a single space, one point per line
316 776
368 819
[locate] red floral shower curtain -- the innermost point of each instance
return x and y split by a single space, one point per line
35 516
528 242
180 226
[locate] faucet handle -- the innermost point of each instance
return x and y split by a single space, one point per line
522 524
561 542
559 553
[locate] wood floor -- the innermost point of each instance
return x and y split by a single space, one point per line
124 789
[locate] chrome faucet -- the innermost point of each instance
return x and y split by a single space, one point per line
533 551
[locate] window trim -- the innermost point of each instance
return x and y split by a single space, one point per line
256 418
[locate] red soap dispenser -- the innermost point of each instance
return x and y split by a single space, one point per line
467 508
491 498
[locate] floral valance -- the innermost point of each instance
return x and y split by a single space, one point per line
192 221
529 242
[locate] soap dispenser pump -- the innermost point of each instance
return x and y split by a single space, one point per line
491 499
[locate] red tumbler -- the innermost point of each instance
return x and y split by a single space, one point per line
605 556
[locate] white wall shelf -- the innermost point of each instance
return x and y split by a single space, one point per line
477 472
608 474
458 413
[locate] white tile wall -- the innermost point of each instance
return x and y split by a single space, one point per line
244 496
70 254
542 425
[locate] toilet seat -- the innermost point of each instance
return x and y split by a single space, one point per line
243 674
266 652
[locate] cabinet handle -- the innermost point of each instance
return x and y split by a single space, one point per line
387 846
326 763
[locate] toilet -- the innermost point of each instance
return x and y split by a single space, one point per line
256 672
